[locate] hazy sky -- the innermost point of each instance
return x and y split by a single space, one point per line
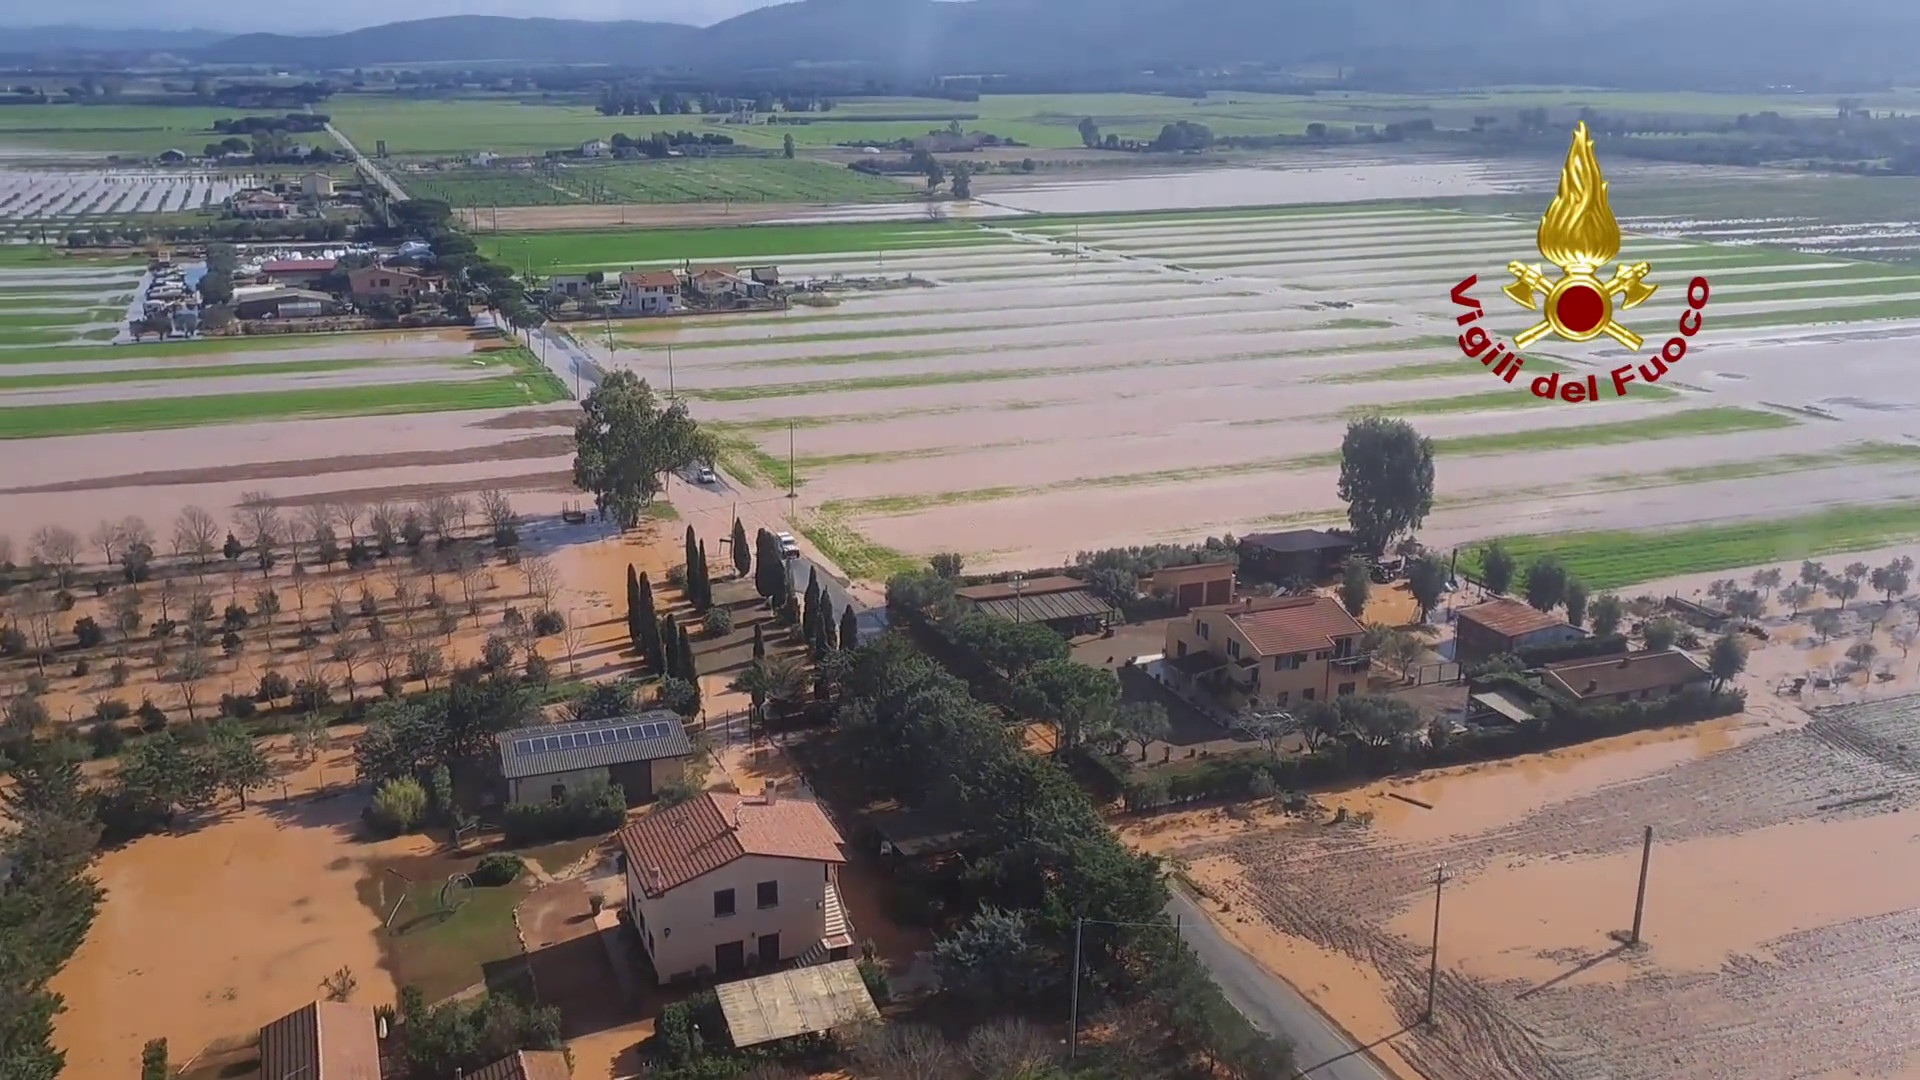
347 14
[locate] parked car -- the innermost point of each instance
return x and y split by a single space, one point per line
789 548
706 476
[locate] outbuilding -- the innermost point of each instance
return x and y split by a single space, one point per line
1189 587
1505 625
642 754
1063 603
1306 554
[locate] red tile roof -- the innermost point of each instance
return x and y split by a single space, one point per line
298 266
1605 676
671 847
526 1065
1509 617
327 1040
651 279
1291 624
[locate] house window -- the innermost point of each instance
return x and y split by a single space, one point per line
1307 694
1179 648
1346 688
722 903
1233 648
1322 655
559 793
1289 662
1342 647
385 282
1200 628
768 894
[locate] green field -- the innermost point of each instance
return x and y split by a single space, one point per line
606 249
1611 560
742 179
125 129
507 126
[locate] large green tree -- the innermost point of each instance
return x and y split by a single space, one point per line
628 442
1546 583
1386 479
1427 582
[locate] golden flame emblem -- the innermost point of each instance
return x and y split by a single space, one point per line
1579 235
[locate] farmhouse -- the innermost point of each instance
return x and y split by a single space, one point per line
595 148
725 880
1306 554
326 1040
298 273
714 282
316 185
649 292
1505 625
260 204
526 1065
569 285
1189 587
272 302
1279 650
641 753
389 283
1641 676
1065 604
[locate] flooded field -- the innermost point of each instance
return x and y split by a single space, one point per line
1145 378
37 203
1778 890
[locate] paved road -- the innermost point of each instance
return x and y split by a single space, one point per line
1273 1006
872 620
395 191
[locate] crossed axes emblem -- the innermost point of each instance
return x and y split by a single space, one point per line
1530 285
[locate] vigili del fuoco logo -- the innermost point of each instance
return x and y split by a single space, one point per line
1580 236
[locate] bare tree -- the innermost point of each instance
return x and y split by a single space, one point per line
1008 1046
310 739
573 639
196 535
39 607
134 533
346 653
462 509
125 605
470 572
383 521
169 594
316 517
438 514
258 521
189 668
58 548
106 537
349 514
399 582
542 579
424 661
300 582
389 655
1905 635
903 1052
498 510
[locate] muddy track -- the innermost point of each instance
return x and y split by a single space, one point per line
1854 983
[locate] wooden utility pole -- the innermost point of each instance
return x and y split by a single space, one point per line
1640 898
1073 1022
1433 964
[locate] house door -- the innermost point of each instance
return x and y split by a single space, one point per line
730 958
769 950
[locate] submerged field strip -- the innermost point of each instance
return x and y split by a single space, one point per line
1147 375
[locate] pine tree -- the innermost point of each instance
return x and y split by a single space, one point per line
742 558
759 641
849 629
670 645
634 633
647 623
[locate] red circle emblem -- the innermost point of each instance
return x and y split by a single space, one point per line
1581 309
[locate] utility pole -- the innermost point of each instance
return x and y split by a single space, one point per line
1073 1023
790 491
1433 965
670 396
1640 900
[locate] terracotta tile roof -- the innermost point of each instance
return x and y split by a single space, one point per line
1604 676
327 1040
526 1065
730 271
1509 617
651 279
1291 624
671 847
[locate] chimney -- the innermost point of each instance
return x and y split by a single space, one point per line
769 792
659 879
1592 685
1626 661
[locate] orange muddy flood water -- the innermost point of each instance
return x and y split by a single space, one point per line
210 933
1782 927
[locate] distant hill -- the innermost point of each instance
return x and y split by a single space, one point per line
464 39
1468 43
37 40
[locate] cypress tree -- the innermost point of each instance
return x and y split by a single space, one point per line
849 629
646 622
823 628
810 607
693 574
759 641
689 670
670 645
634 634
706 579
764 581
742 558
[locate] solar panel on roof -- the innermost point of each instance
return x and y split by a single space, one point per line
524 746
568 742
545 743
596 738
655 730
